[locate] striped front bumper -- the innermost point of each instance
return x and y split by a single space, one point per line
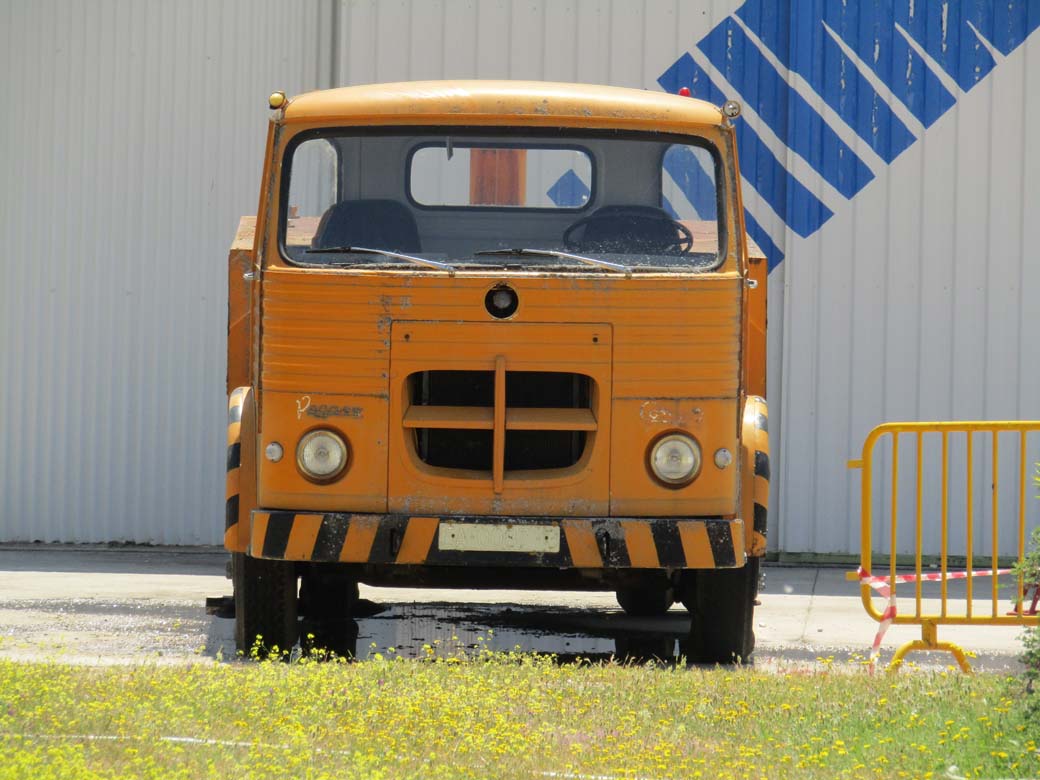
623 543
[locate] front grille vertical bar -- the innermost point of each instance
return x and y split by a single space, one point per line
498 442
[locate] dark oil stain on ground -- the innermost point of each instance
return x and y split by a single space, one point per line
417 630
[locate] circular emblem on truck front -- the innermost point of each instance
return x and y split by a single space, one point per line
501 301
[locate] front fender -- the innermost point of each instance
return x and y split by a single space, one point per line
754 483
240 490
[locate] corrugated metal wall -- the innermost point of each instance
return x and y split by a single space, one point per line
130 144
887 171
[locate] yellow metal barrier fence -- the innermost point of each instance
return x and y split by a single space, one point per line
964 436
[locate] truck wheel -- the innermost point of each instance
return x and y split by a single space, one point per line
265 604
326 593
649 600
327 599
722 608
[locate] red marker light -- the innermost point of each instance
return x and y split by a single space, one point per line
684 91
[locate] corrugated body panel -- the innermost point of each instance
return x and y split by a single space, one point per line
888 177
691 332
131 143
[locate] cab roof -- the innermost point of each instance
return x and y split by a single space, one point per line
503 103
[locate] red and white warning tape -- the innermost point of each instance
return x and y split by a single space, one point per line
926 576
883 584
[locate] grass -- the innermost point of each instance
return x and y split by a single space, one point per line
503 715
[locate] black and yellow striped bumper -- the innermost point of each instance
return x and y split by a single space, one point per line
593 543
233 486
756 432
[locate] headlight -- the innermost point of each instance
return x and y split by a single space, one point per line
675 459
322 455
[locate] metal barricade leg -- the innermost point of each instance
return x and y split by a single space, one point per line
930 641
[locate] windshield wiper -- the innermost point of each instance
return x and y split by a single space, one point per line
360 250
561 255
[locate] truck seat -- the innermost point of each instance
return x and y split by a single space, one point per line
372 223
626 229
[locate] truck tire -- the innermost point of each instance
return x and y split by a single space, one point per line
327 599
326 592
648 600
722 609
265 605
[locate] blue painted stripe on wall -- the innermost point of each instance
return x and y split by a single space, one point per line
1010 24
806 48
951 42
942 31
787 196
869 29
905 73
765 242
794 31
794 121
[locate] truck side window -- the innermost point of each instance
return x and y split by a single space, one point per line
312 189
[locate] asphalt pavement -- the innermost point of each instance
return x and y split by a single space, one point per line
142 604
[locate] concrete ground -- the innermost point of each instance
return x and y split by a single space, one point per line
98 605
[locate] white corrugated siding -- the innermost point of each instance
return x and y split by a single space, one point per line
918 301
131 141
135 145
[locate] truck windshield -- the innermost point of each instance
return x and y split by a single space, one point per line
470 198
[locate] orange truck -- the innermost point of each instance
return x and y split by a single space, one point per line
489 334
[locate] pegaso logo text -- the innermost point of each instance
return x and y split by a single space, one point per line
325 411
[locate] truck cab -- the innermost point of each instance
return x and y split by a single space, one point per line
489 334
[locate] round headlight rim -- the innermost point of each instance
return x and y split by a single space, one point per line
340 439
658 441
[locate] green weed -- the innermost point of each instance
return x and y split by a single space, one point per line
508 715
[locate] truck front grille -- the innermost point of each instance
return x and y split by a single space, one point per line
500 421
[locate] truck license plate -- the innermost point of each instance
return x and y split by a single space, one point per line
482 537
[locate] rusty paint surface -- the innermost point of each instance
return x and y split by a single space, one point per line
641 549
582 543
503 102
755 333
332 348
696 545
417 539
